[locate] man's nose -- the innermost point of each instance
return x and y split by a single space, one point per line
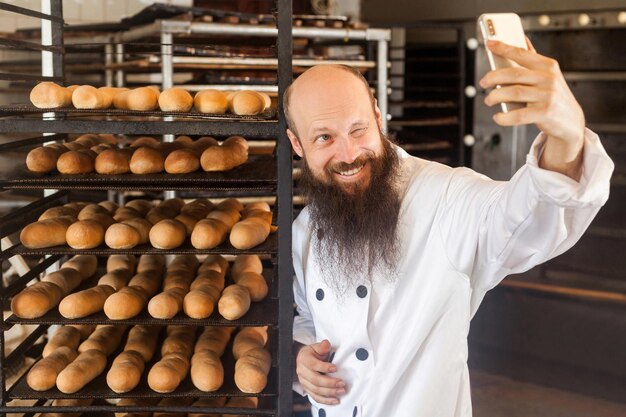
348 150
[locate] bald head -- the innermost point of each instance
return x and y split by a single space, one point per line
314 86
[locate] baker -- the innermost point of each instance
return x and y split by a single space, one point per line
393 254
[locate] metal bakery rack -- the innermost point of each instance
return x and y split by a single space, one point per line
270 174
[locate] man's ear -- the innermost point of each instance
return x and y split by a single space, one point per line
295 143
378 114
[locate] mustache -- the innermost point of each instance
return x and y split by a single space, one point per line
357 163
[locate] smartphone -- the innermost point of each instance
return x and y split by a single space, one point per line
506 28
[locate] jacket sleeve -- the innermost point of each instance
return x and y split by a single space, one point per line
491 229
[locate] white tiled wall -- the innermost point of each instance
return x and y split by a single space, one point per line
80 11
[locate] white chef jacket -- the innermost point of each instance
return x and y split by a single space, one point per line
401 346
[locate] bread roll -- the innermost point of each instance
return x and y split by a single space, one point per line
109 93
106 338
180 339
112 162
249 233
43 159
247 103
210 101
249 338
89 97
75 162
125 372
46 233
160 213
85 234
147 161
254 283
142 99
86 302
267 100
200 302
42 376
208 233
86 367
147 141
167 234
167 304
182 161
151 264
122 236
232 153
65 336
210 277
175 99
85 264
143 226
126 303
121 262
74 146
175 204
167 374
143 340
91 209
251 370
198 204
88 139
48 95
188 221
227 215
202 143
85 330
214 263
65 278
234 302
207 371
36 300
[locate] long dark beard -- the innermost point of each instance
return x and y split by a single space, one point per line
355 228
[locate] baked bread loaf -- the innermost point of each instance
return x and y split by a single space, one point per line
65 336
182 161
247 263
168 373
242 402
204 294
42 376
43 159
48 95
85 330
143 339
76 162
207 371
86 265
58 212
175 99
89 97
232 153
147 160
147 141
125 213
122 236
46 233
109 93
126 371
112 162
141 99
168 234
210 101
208 233
130 300
249 338
143 226
86 367
86 302
247 103
65 278
36 300
142 206
110 206
126 262
252 230
234 302
202 143
251 370
214 338
85 234
106 338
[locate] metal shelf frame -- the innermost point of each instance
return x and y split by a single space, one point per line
281 322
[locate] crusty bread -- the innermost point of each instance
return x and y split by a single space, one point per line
43 159
175 99
111 162
147 160
85 234
142 99
232 153
48 95
182 161
46 233
247 103
210 101
89 97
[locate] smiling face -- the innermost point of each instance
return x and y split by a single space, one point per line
336 127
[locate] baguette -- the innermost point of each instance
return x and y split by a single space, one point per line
159 213
207 371
116 279
168 373
252 230
112 162
232 153
86 302
126 371
85 330
148 141
126 262
109 94
65 336
249 338
106 338
86 265
42 376
251 370
167 304
126 303
143 340
180 339
65 278
59 212
234 302
182 161
208 233
48 95
200 302
227 215
87 366
254 283
214 338
46 233
247 263
36 300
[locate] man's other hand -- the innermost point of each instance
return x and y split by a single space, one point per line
312 369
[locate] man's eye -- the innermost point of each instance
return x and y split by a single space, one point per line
359 132
322 138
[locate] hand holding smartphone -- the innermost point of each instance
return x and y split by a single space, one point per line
506 28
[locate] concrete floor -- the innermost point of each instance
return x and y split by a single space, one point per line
498 396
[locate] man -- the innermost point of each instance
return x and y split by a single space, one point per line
393 254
